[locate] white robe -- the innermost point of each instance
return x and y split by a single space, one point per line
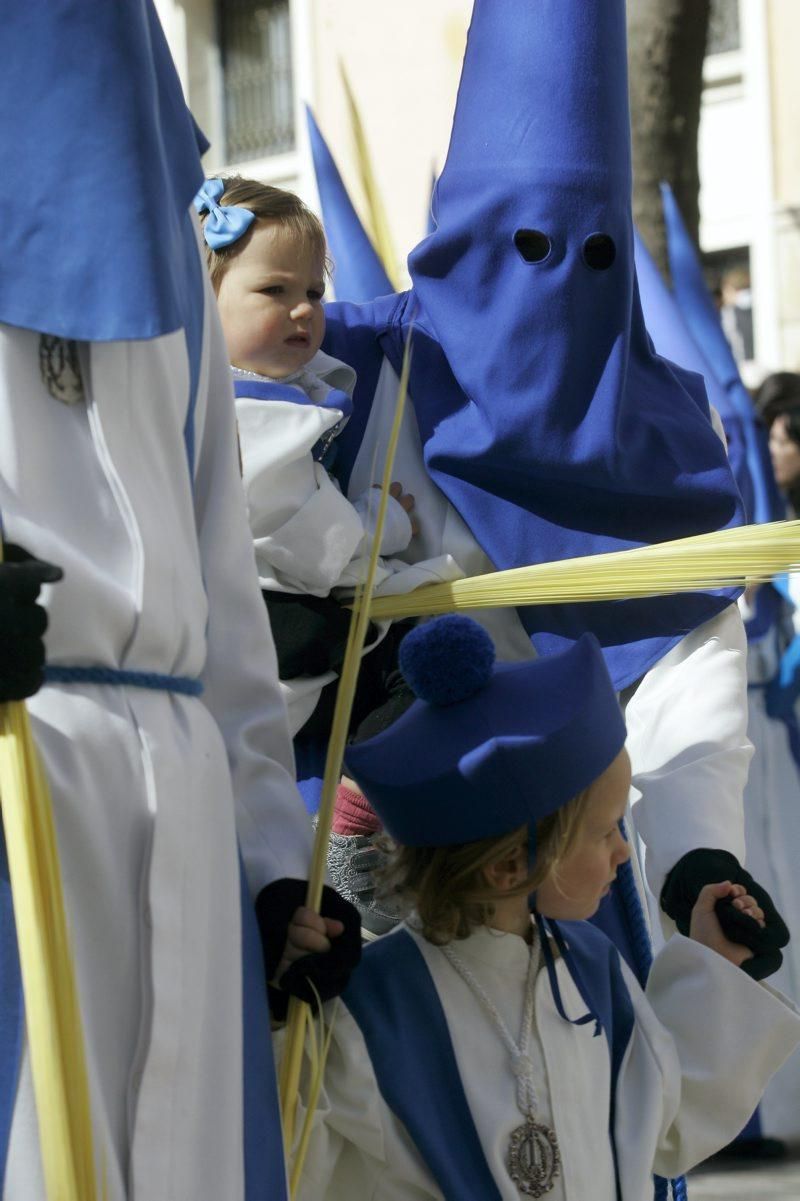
772 826
705 1040
308 537
150 789
687 720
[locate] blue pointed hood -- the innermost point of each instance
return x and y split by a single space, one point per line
100 164
359 274
545 416
702 321
673 341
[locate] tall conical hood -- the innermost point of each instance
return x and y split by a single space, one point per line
359 274
673 341
540 152
560 432
702 320
694 298
100 164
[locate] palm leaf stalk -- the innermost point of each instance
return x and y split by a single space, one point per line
722 559
377 220
299 1011
52 1011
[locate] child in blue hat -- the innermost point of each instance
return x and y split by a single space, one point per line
496 1044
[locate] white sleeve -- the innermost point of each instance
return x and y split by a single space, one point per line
241 673
346 1153
307 536
706 1041
687 738
397 530
304 531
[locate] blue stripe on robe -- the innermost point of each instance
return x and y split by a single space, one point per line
394 1001
264 1170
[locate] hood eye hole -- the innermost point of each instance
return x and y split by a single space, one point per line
533 245
599 252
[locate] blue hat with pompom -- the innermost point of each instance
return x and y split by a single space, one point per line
487 747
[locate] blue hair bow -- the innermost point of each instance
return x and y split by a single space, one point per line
225 223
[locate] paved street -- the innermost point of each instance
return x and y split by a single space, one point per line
777 1182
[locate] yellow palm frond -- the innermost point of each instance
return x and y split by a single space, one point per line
298 1011
52 1013
727 558
377 221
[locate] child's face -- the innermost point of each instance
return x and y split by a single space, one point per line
270 302
785 454
585 875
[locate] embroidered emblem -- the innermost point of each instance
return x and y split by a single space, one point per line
534 1160
60 369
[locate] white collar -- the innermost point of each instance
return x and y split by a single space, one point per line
331 371
496 949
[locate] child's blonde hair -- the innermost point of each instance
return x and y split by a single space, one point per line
268 204
447 886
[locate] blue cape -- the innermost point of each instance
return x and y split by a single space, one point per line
101 163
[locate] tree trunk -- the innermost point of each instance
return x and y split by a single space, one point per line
666 48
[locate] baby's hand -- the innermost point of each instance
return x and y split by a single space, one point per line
705 926
308 934
406 501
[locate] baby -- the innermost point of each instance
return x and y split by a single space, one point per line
268 263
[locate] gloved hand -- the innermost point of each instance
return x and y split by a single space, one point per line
329 971
704 866
783 691
22 622
310 633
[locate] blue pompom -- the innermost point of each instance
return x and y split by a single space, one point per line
447 660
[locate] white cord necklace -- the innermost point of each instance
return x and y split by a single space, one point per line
534 1159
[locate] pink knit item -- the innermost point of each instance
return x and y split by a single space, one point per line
353 814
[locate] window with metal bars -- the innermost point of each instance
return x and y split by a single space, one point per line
724 30
255 43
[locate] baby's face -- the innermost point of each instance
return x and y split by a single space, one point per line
270 302
584 876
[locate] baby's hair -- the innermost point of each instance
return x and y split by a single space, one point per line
447 886
268 204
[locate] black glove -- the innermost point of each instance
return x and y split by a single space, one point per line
399 697
329 971
691 874
310 633
22 622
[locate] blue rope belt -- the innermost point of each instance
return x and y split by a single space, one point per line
154 680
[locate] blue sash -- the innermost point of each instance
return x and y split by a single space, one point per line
412 1055
264 1169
